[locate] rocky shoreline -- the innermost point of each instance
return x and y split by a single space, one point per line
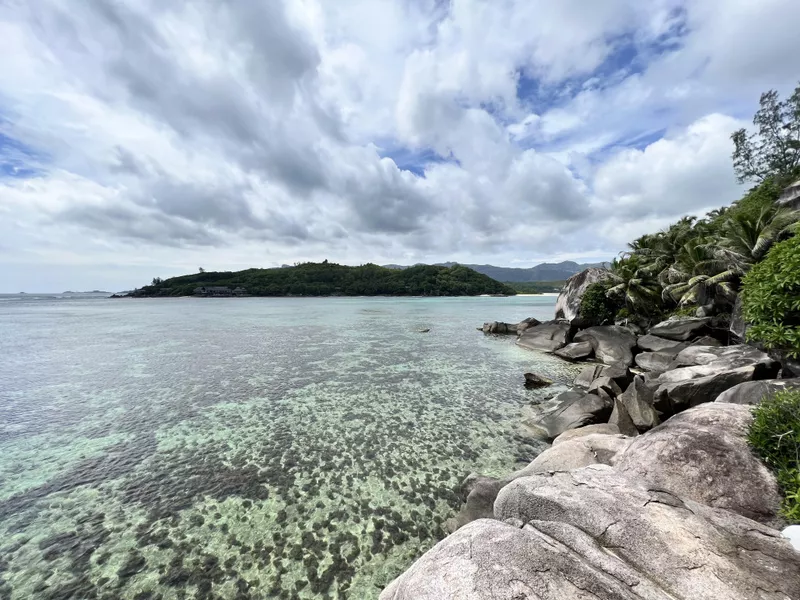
649 490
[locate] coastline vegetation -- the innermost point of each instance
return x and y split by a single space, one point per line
536 287
746 249
330 279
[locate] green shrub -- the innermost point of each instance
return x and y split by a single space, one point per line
771 298
775 437
596 307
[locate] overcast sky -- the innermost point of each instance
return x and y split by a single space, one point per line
152 137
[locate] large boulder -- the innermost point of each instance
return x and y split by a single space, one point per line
621 375
638 403
655 545
574 409
613 345
622 420
674 396
568 303
599 428
548 336
753 392
653 343
734 356
654 361
681 329
478 493
575 351
702 454
576 453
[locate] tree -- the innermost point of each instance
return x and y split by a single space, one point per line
633 284
157 280
775 148
201 269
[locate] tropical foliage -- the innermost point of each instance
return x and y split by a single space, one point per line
775 436
697 262
329 279
771 298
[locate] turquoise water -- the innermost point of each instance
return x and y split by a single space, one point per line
246 448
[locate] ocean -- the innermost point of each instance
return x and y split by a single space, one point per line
250 447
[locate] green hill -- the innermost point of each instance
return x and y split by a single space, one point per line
329 279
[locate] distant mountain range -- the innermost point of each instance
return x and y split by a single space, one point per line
543 272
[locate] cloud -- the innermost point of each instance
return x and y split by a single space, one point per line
390 131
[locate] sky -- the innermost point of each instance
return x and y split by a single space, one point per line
149 138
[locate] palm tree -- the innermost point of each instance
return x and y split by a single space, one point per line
633 283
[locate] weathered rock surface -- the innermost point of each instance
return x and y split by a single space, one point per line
655 546
478 493
638 403
568 303
575 409
575 351
613 345
681 329
675 396
576 453
702 454
653 343
735 356
738 325
622 376
622 420
527 323
549 336
654 361
753 392
499 327
599 428
606 384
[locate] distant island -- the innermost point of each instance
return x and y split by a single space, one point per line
544 272
329 279
92 292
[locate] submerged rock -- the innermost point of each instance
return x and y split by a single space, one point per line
702 454
532 380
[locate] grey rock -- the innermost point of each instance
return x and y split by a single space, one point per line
753 392
549 336
607 384
654 361
613 345
676 396
705 340
576 453
622 420
575 351
620 375
532 380
568 303
527 323
707 310
638 403
478 494
738 355
790 196
657 545
498 327
575 409
599 428
738 325
653 343
681 329
702 454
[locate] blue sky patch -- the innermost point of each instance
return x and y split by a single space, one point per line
412 160
17 160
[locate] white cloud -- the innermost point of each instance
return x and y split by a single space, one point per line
167 134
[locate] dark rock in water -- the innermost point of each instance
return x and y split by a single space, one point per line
536 381
622 420
681 329
613 345
548 336
498 327
638 403
426 330
653 343
575 351
702 454
569 300
753 392
575 409
655 361
526 324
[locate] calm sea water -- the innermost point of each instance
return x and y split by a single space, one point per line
246 448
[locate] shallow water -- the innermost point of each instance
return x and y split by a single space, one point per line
246 448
